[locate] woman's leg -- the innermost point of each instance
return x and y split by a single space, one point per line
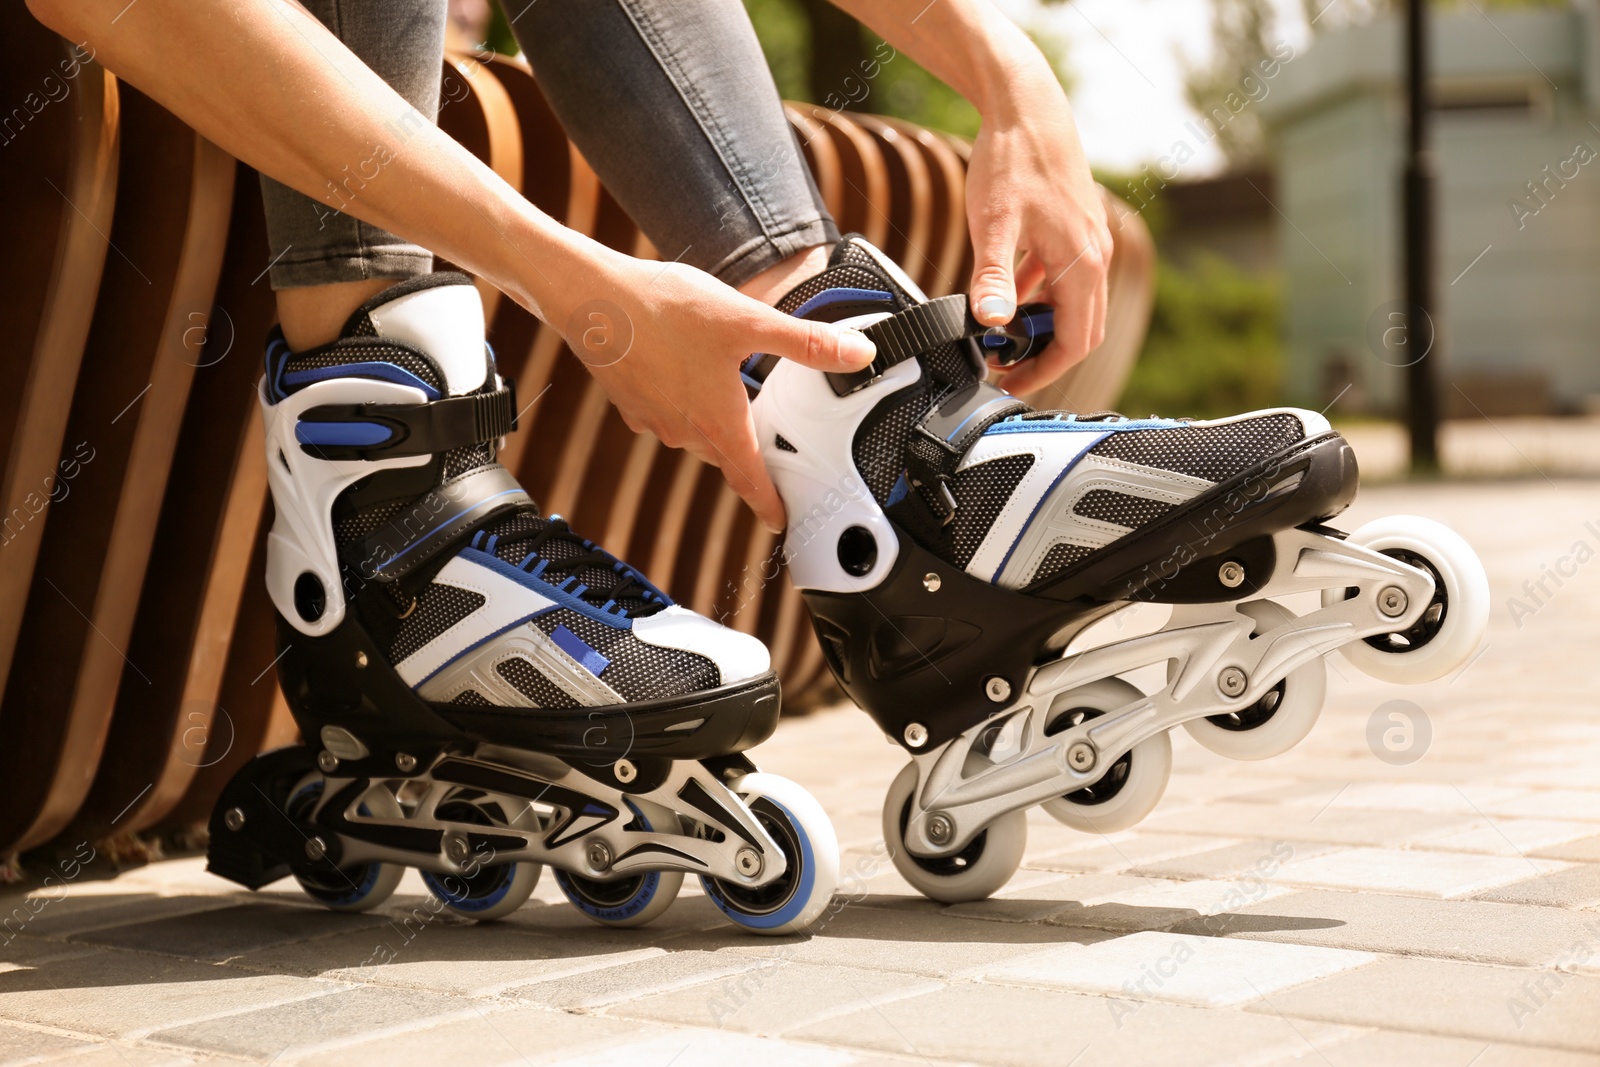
674 107
326 262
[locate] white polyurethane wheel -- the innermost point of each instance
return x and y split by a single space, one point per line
983 866
1294 709
361 886
1134 783
1451 641
794 819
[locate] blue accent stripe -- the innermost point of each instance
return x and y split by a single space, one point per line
419 541
588 657
1035 512
546 590
829 297
1016 424
387 372
341 433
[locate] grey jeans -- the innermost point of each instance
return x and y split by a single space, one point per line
671 103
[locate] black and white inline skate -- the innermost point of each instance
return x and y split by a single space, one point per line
481 691
955 547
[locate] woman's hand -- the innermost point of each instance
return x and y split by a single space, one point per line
666 343
1029 189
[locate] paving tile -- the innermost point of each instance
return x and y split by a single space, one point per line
493 1035
1436 797
1251 858
1018 1027
223 932
1114 855
1503 1004
1477 930
1309 824
1585 850
1578 804
1160 905
343 1016
1387 1048
66 916
1575 887
115 993
1430 874
121 1054
916 941
19 1045
1201 971
20 950
1036 903
658 974
776 999
462 959
1509 836
711 1048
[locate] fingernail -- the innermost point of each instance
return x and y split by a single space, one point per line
856 348
772 527
991 308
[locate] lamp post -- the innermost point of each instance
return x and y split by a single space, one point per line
1422 401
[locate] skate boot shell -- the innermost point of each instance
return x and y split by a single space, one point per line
481 691
969 562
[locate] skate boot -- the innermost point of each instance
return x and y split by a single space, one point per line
955 547
481 691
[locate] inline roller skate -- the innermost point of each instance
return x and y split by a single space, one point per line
955 547
481 691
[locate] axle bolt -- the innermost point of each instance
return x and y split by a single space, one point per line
316 848
599 855
625 771
1232 681
930 582
1393 601
940 828
1231 574
1080 756
327 762
233 819
404 762
748 862
457 849
916 735
361 659
997 689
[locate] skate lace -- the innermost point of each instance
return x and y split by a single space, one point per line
591 574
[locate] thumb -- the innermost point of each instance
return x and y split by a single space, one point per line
818 345
994 288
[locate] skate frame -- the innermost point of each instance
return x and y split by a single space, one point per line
565 843
1007 763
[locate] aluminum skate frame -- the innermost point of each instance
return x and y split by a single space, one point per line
1007 763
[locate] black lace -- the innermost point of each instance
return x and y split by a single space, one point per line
592 574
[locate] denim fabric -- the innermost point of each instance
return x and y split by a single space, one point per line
671 103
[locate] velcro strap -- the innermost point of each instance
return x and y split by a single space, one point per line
934 450
390 431
946 320
439 518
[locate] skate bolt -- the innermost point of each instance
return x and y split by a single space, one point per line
327 762
404 762
940 828
748 862
457 849
625 771
1231 574
916 735
316 848
1232 681
930 582
233 819
599 855
998 689
1080 756
361 659
1392 601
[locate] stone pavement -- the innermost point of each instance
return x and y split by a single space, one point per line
1328 907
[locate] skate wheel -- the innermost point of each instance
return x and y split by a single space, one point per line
1133 784
358 887
1282 717
484 890
983 866
794 819
1454 622
631 900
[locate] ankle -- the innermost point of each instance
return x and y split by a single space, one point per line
313 315
773 283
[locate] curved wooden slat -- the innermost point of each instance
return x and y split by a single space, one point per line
866 178
947 176
60 183
174 196
821 155
910 198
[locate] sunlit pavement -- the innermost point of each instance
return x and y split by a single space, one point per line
1416 883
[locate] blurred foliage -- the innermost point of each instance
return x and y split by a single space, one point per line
1241 40
498 36
1324 15
1214 346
